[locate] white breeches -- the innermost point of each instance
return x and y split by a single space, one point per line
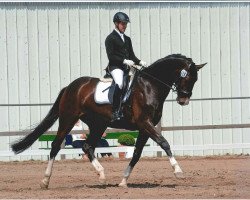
117 75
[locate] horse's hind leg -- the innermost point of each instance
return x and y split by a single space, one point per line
140 143
96 128
65 126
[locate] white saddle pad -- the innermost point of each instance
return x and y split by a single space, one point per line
102 95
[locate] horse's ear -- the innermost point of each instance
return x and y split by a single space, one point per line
198 67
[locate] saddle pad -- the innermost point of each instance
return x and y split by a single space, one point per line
104 93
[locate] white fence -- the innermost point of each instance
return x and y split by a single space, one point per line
151 150
46 152
45 46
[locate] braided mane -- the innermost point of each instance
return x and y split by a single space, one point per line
178 56
172 56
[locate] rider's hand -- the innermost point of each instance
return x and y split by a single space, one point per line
138 67
128 62
143 63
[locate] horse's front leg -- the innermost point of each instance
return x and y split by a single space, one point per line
163 143
89 150
45 181
140 142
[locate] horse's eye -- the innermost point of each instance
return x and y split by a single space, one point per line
183 73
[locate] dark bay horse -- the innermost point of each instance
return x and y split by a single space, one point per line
142 111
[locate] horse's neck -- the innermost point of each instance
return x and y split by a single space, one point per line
162 70
160 90
163 93
161 77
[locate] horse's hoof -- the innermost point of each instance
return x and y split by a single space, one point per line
124 185
179 175
44 186
102 181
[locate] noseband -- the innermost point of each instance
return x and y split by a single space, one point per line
180 91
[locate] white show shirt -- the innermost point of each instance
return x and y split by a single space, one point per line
121 34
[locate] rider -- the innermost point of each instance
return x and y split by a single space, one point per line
120 54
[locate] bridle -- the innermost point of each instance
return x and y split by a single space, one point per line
176 83
175 88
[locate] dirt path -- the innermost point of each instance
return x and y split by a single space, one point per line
215 177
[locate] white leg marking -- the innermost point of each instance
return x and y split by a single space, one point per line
127 173
47 175
173 162
177 170
100 170
48 171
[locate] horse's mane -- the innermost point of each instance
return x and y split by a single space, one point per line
179 56
172 56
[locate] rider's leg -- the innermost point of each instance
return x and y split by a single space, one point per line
117 75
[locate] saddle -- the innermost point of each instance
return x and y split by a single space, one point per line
106 86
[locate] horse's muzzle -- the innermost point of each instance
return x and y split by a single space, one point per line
183 101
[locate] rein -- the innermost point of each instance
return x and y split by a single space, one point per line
174 89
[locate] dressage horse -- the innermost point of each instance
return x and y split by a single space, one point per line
142 112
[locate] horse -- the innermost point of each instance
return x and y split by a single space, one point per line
142 112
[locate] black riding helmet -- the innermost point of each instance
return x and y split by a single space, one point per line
121 17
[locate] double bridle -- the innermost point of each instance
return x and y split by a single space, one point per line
175 88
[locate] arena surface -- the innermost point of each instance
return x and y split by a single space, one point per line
210 177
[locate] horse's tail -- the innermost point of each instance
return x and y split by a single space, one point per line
47 122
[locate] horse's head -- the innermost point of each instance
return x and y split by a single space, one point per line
185 80
176 70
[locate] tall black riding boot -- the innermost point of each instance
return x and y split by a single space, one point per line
117 114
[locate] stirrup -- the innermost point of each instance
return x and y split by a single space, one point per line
116 116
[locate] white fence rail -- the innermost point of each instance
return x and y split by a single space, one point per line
233 148
129 149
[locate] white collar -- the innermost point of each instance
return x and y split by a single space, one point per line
121 34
